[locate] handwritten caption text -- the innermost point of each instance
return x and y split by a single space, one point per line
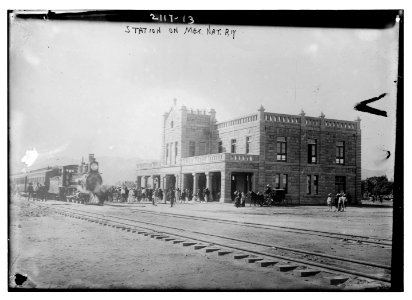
187 30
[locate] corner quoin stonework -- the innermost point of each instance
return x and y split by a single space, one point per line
199 152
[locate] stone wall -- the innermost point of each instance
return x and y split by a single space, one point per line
263 129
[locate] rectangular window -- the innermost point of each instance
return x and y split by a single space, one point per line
281 149
340 153
175 152
248 144
202 148
340 184
170 151
312 151
233 146
315 184
277 181
167 153
308 184
285 182
220 147
192 148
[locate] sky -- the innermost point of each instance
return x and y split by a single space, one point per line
90 87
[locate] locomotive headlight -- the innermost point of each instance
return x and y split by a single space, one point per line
94 166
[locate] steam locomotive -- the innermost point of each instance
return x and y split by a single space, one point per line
74 183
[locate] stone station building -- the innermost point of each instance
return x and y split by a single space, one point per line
309 157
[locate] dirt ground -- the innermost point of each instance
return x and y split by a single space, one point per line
57 252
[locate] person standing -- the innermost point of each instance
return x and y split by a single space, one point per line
171 197
126 194
243 200
30 191
340 203
160 194
344 201
329 202
237 199
178 195
234 195
42 193
183 196
122 193
336 202
207 194
154 197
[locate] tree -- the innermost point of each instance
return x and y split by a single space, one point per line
377 185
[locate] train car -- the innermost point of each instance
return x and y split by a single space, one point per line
41 177
18 183
60 185
80 183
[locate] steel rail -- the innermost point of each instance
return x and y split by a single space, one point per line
304 262
267 226
365 263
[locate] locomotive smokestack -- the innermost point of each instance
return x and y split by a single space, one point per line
91 157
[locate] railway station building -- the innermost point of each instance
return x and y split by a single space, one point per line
309 157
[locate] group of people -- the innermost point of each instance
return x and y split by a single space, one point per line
39 192
340 202
240 198
172 195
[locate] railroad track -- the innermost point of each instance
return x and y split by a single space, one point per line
347 237
334 269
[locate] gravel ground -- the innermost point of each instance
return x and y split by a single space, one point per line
57 252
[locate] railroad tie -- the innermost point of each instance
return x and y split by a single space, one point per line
186 244
224 252
335 280
240 256
285 268
266 263
198 247
253 259
177 241
169 239
306 273
209 250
